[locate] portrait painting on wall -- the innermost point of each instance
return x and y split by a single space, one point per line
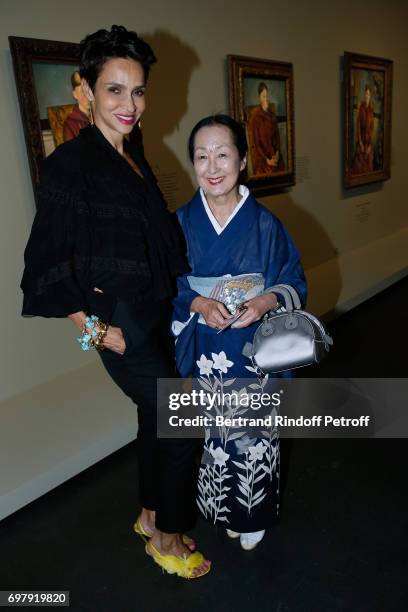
53 107
261 99
367 126
64 108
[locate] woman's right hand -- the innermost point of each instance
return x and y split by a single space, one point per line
214 312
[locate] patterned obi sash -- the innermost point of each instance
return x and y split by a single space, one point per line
230 290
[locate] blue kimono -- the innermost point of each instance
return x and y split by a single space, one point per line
239 476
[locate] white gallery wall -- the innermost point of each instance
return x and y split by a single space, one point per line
352 242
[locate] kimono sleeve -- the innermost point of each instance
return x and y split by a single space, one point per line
185 295
181 305
183 326
284 266
49 284
184 321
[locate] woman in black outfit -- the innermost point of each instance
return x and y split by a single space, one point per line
103 244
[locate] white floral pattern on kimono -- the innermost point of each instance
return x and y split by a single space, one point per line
235 470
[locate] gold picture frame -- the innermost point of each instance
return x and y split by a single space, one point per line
261 99
367 119
42 69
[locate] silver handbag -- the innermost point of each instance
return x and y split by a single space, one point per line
290 339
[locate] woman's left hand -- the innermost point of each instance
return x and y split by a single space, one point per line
256 308
114 339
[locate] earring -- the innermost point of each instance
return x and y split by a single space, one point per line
91 115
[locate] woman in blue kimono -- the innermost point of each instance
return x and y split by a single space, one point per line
236 250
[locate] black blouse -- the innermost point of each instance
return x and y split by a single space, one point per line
99 224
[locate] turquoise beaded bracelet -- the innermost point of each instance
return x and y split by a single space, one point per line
87 339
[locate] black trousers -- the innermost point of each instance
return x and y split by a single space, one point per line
167 467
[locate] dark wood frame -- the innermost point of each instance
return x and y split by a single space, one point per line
24 51
240 67
366 62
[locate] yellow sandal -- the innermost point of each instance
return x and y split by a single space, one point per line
140 530
182 566
145 535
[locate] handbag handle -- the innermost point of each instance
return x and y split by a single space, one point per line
287 296
293 293
288 293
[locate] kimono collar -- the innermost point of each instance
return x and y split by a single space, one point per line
243 192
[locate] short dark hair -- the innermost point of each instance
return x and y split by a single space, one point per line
237 131
261 87
97 48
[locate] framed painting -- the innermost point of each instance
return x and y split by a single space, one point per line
367 120
49 92
261 99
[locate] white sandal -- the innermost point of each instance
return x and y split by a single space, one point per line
250 540
232 534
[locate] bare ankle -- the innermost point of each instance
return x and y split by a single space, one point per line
148 518
167 541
